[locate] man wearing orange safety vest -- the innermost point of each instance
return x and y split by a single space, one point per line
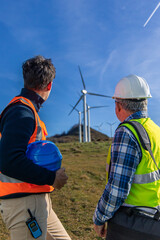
23 184
129 208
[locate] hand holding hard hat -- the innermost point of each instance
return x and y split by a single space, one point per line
61 179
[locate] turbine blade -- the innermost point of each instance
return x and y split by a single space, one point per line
100 95
82 78
111 124
101 124
152 14
74 108
98 126
75 105
99 106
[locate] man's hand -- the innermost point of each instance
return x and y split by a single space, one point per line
101 230
60 179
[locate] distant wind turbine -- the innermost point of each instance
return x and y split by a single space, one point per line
88 113
152 14
99 126
83 96
80 126
111 124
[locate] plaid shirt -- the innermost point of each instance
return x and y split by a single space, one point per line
125 156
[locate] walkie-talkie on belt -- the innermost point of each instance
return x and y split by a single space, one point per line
33 226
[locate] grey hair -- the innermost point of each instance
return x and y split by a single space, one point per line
133 105
38 72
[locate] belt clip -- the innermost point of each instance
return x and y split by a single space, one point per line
157 215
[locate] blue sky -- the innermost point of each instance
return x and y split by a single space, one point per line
105 37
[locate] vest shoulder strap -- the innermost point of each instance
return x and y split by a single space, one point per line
142 133
143 137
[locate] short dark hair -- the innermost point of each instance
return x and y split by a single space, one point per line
38 72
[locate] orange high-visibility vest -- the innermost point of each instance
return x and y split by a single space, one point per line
8 185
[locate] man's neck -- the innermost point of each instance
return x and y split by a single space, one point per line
42 93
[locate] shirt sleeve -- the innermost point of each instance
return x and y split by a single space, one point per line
125 156
17 127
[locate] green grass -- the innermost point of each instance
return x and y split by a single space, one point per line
76 202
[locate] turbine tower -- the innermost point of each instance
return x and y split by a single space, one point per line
80 125
83 96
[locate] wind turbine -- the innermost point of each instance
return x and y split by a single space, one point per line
80 127
88 115
83 96
152 14
99 126
111 124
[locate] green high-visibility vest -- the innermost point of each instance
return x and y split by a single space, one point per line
145 188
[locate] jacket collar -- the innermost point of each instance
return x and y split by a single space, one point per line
34 97
137 115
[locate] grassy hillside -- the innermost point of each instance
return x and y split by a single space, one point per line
73 136
75 203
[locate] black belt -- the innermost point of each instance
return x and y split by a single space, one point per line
142 211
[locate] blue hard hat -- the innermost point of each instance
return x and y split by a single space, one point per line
45 154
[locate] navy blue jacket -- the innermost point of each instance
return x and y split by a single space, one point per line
17 126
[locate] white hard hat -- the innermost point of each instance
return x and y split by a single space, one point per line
132 87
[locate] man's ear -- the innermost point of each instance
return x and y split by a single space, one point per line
119 106
49 86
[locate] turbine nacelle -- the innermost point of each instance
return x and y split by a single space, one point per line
84 91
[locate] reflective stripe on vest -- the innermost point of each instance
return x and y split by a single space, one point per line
138 178
10 185
6 179
146 178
